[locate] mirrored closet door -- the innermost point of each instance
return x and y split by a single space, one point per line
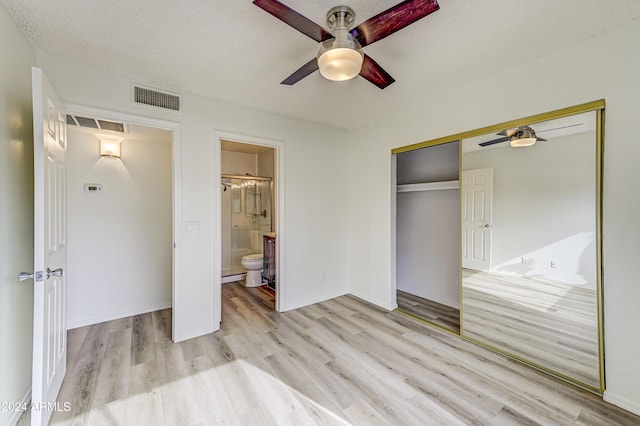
500 228
529 244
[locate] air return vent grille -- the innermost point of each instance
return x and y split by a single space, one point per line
92 123
110 125
154 98
87 122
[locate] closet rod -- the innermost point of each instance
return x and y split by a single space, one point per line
428 186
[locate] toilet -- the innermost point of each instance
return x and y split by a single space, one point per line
253 264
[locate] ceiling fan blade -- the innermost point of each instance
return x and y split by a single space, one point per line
487 143
558 128
392 20
301 73
374 73
294 19
511 132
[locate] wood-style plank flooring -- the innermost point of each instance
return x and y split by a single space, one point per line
434 312
548 323
338 362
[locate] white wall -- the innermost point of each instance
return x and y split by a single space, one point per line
315 257
432 164
544 208
266 164
238 163
119 240
602 67
428 254
16 213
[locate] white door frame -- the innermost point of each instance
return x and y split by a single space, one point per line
280 223
174 127
393 289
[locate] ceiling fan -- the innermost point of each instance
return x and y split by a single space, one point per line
340 56
521 136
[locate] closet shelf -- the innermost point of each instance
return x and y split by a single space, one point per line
428 186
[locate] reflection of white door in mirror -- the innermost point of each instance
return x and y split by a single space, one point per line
476 197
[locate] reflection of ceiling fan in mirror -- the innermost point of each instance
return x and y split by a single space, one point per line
521 136
340 56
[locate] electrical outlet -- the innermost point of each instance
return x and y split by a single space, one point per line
554 264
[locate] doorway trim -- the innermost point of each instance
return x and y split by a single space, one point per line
219 135
176 173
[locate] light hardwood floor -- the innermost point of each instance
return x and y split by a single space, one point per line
437 313
551 324
338 362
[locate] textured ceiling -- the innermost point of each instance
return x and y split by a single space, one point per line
234 51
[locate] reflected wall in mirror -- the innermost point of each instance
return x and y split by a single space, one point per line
529 245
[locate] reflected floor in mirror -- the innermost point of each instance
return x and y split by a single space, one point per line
548 323
434 312
338 362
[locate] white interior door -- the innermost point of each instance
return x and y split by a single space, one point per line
477 194
50 248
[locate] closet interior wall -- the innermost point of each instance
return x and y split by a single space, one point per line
428 224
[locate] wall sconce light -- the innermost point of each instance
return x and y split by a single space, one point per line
109 146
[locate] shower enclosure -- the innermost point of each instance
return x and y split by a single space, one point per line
246 217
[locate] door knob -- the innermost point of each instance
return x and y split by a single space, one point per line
56 272
36 276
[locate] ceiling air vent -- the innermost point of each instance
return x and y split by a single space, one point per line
87 122
154 98
110 125
92 123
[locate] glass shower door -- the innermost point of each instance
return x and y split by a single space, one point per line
246 216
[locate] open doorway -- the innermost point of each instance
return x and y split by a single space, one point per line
248 212
427 234
119 219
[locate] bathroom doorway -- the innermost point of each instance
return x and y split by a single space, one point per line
247 217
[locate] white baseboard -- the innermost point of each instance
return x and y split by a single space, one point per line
302 304
622 402
383 305
116 315
233 278
26 399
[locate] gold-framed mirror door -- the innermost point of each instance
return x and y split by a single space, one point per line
531 238
557 185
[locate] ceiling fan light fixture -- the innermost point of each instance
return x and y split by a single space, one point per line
340 63
523 136
520 143
340 58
